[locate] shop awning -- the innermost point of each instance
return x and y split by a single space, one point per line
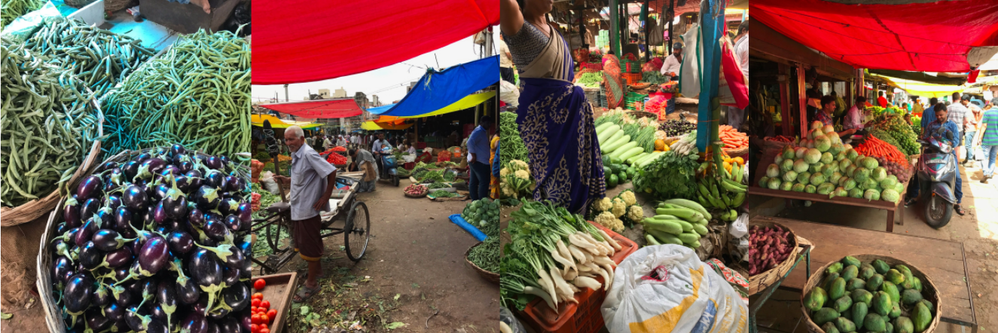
322 108
914 36
437 90
374 126
943 79
921 89
469 101
257 120
304 41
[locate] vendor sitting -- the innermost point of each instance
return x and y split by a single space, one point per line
854 117
827 113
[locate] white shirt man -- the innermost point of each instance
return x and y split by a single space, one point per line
341 141
742 52
379 145
671 65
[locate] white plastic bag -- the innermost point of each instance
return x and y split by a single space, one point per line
666 288
509 93
269 184
739 228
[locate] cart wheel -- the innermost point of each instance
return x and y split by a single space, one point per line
274 231
358 226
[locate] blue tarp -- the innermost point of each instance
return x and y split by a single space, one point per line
436 90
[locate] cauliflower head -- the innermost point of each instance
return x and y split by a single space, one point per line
504 172
628 197
635 213
522 174
619 207
609 221
602 205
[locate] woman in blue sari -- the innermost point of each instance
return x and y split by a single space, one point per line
554 116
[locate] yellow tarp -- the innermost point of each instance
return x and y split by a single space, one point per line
464 103
257 120
922 89
373 126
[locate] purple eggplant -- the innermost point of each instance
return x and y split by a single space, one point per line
134 198
121 273
185 166
101 296
104 217
126 298
171 170
196 218
108 240
159 213
207 197
228 205
89 187
216 179
207 272
137 318
114 312
245 214
76 295
216 229
150 167
196 177
142 157
113 201
232 222
96 320
61 228
89 208
118 258
155 255
62 270
71 212
237 296
213 326
130 169
246 320
230 276
158 192
180 242
86 232
194 323
187 292
106 166
184 183
158 314
166 298
148 289
156 326
215 163
90 256
175 202
123 219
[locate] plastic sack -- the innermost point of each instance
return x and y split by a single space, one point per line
268 182
23 27
739 228
509 93
666 288
506 316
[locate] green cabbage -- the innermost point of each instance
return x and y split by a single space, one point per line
817 179
826 157
856 193
851 154
879 174
804 177
786 186
774 183
888 183
800 166
810 188
844 164
788 152
825 188
849 183
798 187
773 171
764 182
871 195
890 195
816 167
822 143
790 176
812 156
861 174
869 163
835 177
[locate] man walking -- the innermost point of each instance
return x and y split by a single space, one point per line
987 137
958 115
312 182
478 159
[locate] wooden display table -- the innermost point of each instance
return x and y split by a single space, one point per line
944 261
891 208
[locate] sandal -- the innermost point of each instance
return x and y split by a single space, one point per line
304 293
958 210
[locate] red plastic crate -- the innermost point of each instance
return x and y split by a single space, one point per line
584 317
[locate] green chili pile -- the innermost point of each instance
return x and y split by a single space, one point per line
197 94
12 9
98 57
511 144
48 126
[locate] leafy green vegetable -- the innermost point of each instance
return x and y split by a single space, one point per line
590 80
670 176
442 194
512 147
431 176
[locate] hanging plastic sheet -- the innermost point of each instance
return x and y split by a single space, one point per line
437 90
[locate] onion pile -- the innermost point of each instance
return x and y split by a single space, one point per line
157 244
416 189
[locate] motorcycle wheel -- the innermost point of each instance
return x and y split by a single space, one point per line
938 212
395 180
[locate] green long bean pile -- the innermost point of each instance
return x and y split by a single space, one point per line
98 57
12 9
48 126
511 145
197 94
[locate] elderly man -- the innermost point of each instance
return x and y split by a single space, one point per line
312 182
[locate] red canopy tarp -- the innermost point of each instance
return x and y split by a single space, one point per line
321 108
302 41
931 37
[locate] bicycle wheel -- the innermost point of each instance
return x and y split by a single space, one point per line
358 226
274 239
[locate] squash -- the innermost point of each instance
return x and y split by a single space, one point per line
660 145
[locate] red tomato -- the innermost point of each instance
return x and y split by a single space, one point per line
254 328
264 319
265 305
255 319
257 296
264 326
272 314
259 284
255 303
265 330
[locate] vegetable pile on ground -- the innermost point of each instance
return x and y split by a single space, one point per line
197 94
823 165
613 213
104 60
48 127
155 244
624 140
515 180
261 200
899 130
617 173
552 255
673 127
442 194
430 176
855 296
781 138
654 77
590 80
484 214
509 135
261 315
12 9
677 221
436 185
416 190
770 247
732 138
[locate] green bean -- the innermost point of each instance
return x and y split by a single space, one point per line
44 139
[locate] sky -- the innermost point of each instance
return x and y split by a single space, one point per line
386 82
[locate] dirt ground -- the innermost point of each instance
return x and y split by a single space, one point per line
413 277
978 231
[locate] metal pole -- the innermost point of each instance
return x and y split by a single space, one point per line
671 16
802 99
614 27
488 43
286 98
647 32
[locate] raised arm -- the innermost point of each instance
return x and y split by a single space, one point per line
510 17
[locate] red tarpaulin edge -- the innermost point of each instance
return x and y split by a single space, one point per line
322 109
302 41
931 37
